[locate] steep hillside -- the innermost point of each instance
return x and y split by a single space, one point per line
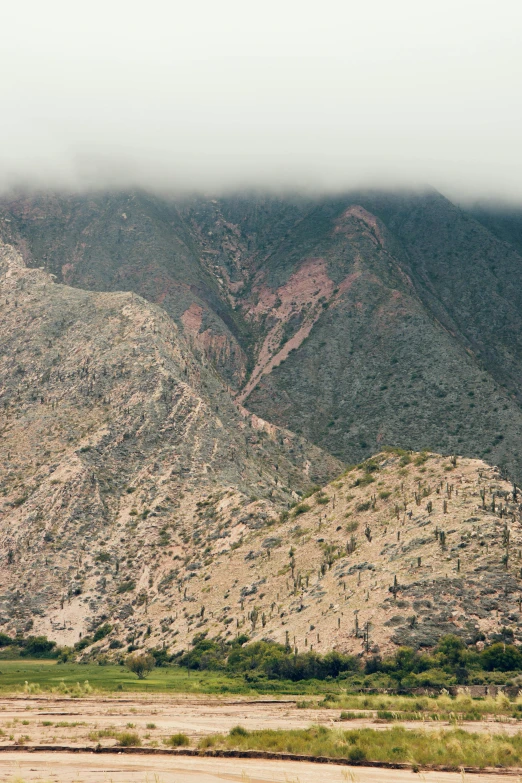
400 550
502 220
130 242
357 321
111 434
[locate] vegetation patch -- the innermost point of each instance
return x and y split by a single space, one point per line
453 748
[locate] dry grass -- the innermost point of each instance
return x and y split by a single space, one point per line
444 707
453 748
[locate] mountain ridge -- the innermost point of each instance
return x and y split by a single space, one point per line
408 299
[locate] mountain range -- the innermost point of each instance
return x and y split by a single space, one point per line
175 373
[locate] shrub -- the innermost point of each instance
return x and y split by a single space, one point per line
141 664
178 740
501 657
126 587
363 481
128 739
357 753
238 731
102 632
37 647
363 506
5 640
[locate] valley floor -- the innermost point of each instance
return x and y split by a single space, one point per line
78 723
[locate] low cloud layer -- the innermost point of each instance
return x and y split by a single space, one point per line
212 96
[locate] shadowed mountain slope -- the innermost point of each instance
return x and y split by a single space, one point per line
356 320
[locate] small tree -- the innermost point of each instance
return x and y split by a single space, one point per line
140 664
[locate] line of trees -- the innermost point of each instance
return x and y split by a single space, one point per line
450 662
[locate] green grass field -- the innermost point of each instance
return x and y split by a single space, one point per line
49 675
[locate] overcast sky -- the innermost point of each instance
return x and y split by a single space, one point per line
213 94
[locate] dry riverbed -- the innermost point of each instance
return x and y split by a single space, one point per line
40 720
92 768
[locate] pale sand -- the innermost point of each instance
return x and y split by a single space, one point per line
91 768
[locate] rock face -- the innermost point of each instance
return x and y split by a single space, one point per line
356 321
112 433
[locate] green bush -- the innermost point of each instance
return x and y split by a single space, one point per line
357 754
178 740
127 739
102 632
238 731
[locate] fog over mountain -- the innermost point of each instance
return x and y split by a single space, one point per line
280 95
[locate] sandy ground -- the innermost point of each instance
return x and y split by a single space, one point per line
64 721
90 768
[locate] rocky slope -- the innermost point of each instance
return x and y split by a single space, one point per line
357 321
400 550
111 434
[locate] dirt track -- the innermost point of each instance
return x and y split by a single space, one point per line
91 768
